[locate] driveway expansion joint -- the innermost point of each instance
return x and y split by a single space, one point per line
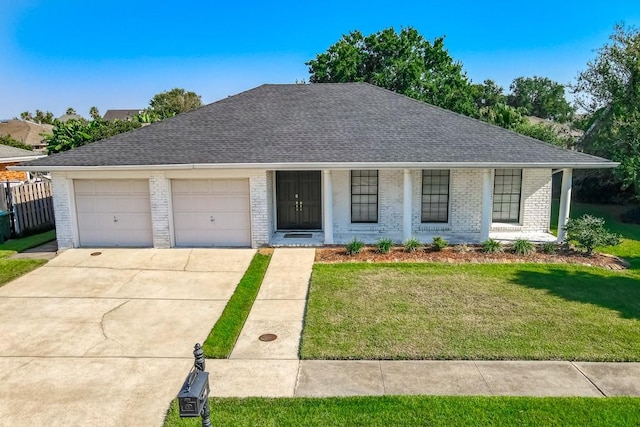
589 379
483 378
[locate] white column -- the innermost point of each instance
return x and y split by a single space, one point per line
487 206
327 205
565 202
406 203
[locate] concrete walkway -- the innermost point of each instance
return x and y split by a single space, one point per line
278 308
269 368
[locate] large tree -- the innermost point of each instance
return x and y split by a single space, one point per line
404 62
488 94
609 91
172 102
75 133
540 97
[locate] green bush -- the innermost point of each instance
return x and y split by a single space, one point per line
588 232
354 246
523 247
462 248
384 245
439 243
548 248
491 246
412 245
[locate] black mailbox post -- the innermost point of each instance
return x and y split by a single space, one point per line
193 398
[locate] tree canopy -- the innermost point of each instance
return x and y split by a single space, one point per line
172 102
38 117
75 133
403 62
609 90
540 97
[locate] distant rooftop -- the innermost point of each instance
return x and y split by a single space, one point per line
121 114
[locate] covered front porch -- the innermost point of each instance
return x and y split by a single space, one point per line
315 208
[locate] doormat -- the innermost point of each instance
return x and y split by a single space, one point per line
298 236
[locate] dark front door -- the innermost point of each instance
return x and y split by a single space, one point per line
298 203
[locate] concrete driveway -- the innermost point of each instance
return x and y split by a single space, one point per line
105 336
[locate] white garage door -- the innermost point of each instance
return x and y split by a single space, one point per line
113 212
212 212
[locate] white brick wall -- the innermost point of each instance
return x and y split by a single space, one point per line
65 224
160 196
536 200
465 205
261 218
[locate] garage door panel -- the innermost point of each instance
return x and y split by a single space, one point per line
232 237
192 203
196 202
113 212
231 221
191 220
231 203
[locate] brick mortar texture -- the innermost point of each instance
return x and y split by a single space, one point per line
64 222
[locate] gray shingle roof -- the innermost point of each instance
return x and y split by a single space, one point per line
8 152
318 123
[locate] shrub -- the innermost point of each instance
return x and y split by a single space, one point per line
462 248
354 246
523 247
491 246
439 243
384 245
549 248
412 245
632 216
588 232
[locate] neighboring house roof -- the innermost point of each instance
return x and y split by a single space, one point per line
10 154
25 131
319 125
66 117
120 114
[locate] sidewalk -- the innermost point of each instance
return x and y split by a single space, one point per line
272 369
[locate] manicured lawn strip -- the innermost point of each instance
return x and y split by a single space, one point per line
472 311
13 268
28 242
225 333
417 411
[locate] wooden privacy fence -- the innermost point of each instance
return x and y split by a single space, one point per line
31 206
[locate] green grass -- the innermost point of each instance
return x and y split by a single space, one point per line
472 311
224 334
13 268
417 411
20 245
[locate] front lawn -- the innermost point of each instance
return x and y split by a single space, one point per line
472 311
417 411
13 268
20 245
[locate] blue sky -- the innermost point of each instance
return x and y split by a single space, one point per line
118 54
